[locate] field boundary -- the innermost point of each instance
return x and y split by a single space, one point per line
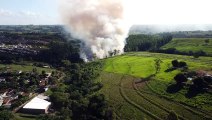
203 114
134 104
154 103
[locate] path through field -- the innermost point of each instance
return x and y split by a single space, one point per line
129 99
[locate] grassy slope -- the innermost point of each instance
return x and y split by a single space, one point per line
190 44
141 64
117 74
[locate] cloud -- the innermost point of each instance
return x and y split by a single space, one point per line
30 14
9 17
4 12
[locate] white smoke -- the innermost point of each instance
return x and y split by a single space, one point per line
98 23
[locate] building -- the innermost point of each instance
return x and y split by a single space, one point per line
36 106
2 79
1 100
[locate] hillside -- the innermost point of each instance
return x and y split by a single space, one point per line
190 45
177 30
134 92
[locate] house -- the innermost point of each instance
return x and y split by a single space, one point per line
7 102
1 100
2 79
20 71
36 106
46 66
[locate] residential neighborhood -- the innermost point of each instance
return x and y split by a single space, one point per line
21 91
17 49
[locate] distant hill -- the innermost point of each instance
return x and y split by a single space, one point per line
189 45
152 29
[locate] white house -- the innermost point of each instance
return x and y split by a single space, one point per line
1 100
36 106
2 79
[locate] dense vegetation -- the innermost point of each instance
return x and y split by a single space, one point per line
146 42
76 99
59 51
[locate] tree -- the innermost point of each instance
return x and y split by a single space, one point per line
182 64
175 63
110 53
200 83
157 65
59 99
171 50
207 41
196 55
6 115
34 70
43 72
199 53
66 63
52 80
180 78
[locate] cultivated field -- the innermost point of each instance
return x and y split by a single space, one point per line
135 92
190 44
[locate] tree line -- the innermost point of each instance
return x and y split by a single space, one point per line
143 42
77 97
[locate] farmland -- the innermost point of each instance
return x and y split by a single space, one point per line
134 91
190 44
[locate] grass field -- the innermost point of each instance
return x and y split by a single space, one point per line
20 116
131 97
190 44
25 68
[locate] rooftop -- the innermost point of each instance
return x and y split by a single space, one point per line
37 103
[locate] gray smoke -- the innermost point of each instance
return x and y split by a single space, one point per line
98 23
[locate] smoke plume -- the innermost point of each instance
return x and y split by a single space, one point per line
98 23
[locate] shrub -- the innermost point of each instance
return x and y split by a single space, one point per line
175 63
180 78
182 64
196 55
208 79
200 83
171 50
191 73
207 41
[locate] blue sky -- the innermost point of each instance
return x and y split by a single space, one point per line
23 12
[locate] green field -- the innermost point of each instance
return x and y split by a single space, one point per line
133 98
20 116
190 44
25 68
